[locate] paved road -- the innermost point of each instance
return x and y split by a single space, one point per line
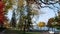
1 33
49 33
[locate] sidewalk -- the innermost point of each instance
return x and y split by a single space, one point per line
44 32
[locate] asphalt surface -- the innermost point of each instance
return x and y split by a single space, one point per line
1 32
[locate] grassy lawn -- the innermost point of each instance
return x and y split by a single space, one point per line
19 32
12 32
33 33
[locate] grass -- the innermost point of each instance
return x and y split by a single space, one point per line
12 32
33 33
19 32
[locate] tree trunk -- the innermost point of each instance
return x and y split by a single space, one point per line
13 20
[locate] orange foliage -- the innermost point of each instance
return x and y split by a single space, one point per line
6 24
30 1
51 20
20 3
41 24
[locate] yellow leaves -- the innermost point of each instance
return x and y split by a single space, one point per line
8 6
4 1
20 3
10 1
40 24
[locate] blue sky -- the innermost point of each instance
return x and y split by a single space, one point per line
48 14
9 14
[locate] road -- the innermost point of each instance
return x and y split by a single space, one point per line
1 32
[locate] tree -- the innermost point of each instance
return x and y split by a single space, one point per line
20 9
20 3
41 24
57 19
6 24
29 22
13 20
51 23
8 5
1 11
34 12
2 17
21 15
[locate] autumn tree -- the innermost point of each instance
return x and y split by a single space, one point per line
21 15
41 24
6 24
29 22
8 5
2 15
54 22
51 23
20 9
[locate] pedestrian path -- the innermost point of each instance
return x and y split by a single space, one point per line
49 32
44 32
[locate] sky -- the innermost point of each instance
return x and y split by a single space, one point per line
9 14
48 14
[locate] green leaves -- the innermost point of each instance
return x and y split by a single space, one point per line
21 8
8 6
